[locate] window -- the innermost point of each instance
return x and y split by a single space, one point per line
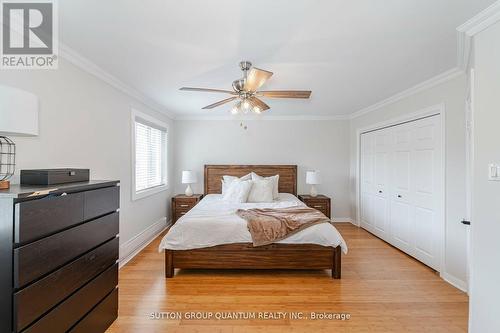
149 155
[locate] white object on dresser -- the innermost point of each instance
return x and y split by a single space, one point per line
312 178
189 177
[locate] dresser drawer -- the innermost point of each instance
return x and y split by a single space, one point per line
37 218
101 317
319 205
184 205
66 314
101 201
41 257
41 296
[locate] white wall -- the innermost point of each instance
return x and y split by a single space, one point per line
84 122
311 144
485 269
452 94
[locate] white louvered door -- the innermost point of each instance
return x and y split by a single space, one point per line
401 187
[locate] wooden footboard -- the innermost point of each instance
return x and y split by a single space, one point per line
245 256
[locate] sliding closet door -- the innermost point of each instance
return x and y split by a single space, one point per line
401 187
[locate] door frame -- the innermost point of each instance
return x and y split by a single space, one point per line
438 109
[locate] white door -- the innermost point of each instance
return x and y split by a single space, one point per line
367 182
427 184
401 187
382 150
401 196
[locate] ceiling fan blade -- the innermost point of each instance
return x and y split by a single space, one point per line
256 78
219 103
258 103
208 90
285 93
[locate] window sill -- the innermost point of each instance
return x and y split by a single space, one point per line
148 192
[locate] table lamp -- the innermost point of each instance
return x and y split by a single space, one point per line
312 178
189 177
18 117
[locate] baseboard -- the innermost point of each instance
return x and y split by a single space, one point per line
457 283
341 219
136 244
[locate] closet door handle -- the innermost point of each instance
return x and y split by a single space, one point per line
379 191
400 196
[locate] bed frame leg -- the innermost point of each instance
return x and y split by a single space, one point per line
169 264
337 263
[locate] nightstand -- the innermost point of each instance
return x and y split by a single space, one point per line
181 204
319 202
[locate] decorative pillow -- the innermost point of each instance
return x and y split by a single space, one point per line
238 191
261 191
274 179
227 180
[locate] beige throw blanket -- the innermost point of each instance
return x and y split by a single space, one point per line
272 225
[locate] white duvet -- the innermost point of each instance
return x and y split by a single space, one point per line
213 222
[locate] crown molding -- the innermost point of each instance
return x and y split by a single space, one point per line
472 27
259 117
90 67
441 78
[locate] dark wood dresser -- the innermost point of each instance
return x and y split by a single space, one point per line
319 202
181 204
58 257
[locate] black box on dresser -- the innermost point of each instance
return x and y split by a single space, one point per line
58 252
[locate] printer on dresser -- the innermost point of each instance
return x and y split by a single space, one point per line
58 257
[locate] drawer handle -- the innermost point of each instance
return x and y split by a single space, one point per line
182 213
184 205
63 194
317 206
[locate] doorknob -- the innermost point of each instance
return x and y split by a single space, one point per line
400 196
379 191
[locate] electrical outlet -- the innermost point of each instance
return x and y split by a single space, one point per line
494 172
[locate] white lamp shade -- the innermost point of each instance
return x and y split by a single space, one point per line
189 177
312 178
18 112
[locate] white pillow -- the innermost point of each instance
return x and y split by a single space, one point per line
274 179
261 191
238 191
227 180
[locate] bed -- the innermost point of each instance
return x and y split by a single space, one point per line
210 236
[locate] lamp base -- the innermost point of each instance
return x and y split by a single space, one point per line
314 192
189 191
4 184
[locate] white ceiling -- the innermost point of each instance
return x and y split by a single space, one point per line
350 53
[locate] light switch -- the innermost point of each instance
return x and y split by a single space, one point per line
494 172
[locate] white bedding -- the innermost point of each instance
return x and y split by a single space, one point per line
213 222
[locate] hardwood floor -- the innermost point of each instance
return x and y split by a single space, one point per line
381 288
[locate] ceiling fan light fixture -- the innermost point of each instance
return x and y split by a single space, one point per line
256 109
246 105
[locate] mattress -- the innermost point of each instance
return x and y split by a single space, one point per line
213 221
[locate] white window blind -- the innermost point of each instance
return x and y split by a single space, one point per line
150 159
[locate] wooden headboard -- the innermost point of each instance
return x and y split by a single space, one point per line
287 180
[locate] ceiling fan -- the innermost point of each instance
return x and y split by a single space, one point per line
245 91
